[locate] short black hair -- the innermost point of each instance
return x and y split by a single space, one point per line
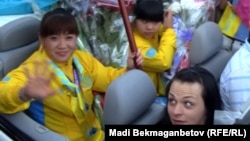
150 10
58 21
210 94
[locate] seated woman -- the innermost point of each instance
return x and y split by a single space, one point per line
193 96
55 84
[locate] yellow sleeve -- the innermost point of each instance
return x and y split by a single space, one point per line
102 76
158 58
10 86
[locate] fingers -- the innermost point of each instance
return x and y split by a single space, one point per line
41 67
168 13
39 80
40 72
52 75
139 58
45 67
131 55
44 92
168 20
53 92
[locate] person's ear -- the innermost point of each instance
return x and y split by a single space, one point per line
40 38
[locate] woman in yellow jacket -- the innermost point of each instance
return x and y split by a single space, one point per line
155 37
55 84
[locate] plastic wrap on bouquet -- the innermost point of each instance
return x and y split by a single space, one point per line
188 15
184 36
79 10
102 30
193 12
40 7
196 12
98 109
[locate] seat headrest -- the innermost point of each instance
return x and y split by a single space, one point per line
217 63
207 40
13 34
128 97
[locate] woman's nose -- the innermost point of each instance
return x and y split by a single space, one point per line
178 109
62 43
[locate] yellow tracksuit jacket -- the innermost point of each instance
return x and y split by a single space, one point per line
158 53
61 112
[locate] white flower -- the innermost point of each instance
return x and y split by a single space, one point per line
175 7
192 4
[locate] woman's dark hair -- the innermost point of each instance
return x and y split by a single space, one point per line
210 93
150 10
58 21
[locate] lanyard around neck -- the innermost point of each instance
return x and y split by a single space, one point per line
76 76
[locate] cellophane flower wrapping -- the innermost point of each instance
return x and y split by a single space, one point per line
188 15
196 12
98 109
102 29
184 36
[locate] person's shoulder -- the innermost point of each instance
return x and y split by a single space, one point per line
241 55
237 65
235 69
34 56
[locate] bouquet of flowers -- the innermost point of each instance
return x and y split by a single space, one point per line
102 29
193 12
188 15
184 36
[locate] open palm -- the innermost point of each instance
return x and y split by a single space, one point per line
38 85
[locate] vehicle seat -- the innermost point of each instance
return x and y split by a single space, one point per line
207 50
15 46
130 100
18 40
